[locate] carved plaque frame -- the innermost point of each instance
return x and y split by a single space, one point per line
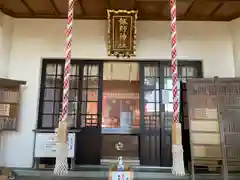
122 32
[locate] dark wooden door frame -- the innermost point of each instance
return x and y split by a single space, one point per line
165 157
89 138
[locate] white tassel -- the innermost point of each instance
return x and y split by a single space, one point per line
177 150
178 164
61 166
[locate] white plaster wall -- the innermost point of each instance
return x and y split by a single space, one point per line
235 30
6 31
32 40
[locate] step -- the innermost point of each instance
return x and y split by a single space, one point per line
101 173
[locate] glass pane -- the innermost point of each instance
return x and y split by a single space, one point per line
58 95
90 70
190 71
72 107
51 69
56 119
168 123
151 96
75 70
91 120
169 107
50 81
57 107
168 83
90 95
120 110
84 108
48 107
151 83
53 81
73 95
49 94
167 71
47 120
184 72
151 71
89 107
151 108
169 96
74 81
90 82
71 119
83 118
93 70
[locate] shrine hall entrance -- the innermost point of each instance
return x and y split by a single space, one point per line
126 110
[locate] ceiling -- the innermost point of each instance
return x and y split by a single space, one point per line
197 10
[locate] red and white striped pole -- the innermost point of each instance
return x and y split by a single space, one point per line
177 149
61 166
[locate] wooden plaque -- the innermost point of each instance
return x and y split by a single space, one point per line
122 32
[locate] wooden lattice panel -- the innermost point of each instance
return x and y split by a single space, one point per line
4 109
204 124
229 105
9 105
9 96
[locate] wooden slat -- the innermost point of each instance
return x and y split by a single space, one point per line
62 6
207 126
203 151
228 9
205 138
150 8
41 6
203 8
181 8
98 9
120 4
16 6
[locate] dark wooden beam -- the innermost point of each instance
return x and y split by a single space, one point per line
147 18
235 15
223 1
134 5
28 7
230 1
190 8
55 7
8 11
82 8
216 9
109 4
